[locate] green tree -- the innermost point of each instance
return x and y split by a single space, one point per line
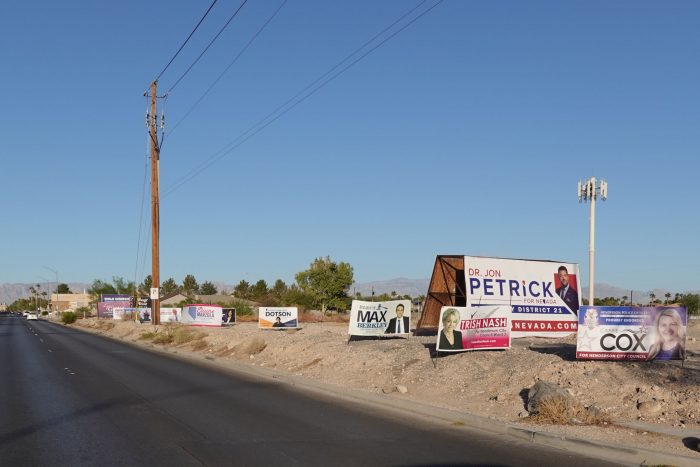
63 288
295 296
100 287
259 290
118 286
208 288
242 290
691 302
168 287
326 282
123 286
279 289
668 297
145 287
189 285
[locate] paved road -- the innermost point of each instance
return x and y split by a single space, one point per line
72 398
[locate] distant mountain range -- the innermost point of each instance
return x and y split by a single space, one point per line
402 286
11 292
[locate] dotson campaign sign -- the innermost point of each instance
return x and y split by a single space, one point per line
543 295
631 333
380 318
278 317
475 328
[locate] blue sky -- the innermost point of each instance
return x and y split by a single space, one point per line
466 133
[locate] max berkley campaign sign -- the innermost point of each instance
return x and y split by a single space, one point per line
278 317
201 315
631 333
380 318
473 328
543 295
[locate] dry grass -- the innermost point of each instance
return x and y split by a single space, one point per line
305 317
147 335
199 345
184 334
560 411
104 325
163 338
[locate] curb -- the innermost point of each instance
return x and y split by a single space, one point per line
457 420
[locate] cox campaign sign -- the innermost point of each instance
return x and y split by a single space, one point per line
108 302
543 295
201 315
278 317
631 333
380 318
475 328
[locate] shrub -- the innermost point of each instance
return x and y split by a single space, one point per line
242 308
147 335
163 338
184 334
560 411
68 317
83 311
44 313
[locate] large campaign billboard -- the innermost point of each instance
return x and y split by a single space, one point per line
473 328
631 333
380 318
278 317
201 315
110 301
544 296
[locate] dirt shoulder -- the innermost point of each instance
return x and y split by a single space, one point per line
490 384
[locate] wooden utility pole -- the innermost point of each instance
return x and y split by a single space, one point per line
155 212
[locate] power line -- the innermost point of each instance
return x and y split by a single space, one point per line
271 117
235 13
186 40
235 59
143 201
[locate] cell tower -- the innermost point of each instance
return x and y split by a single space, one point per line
589 190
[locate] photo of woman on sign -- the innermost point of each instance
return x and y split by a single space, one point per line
669 343
450 339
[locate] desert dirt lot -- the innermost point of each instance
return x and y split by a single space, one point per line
491 384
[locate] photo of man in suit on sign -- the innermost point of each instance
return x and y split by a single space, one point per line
400 324
566 292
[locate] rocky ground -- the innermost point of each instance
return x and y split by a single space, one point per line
488 383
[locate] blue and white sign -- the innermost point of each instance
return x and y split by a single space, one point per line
544 296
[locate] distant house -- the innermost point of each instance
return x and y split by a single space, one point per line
173 300
69 301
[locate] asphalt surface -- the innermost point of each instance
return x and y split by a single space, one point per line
72 398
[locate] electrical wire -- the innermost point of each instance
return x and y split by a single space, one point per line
186 40
235 13
235 59
271 117
143 201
